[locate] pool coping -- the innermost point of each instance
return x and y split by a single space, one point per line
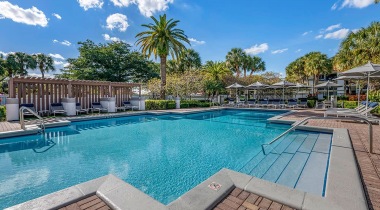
344 189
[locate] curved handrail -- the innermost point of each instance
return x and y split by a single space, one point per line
22 121
326 118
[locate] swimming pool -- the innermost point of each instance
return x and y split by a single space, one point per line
162 155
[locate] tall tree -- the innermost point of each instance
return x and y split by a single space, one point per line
246 62
162 38
23 62
45 63
256 64
317 64
216 70
234 60
295 71
359 48
110 62
2 66
190 60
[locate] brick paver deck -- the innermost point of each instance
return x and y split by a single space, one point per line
369 164
239 199
90 203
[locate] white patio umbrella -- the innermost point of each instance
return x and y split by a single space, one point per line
368 70
236 86
257 86
283 84
327 85
298 86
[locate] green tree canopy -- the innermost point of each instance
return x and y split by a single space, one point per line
234 60
44 62
189 60
113 62
359 48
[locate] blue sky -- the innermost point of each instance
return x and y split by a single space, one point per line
277 31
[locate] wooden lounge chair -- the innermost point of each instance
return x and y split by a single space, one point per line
96 106
57 108
79 109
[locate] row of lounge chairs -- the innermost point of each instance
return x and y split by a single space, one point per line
272 103
57 108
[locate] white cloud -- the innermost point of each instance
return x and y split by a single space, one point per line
88 4
319 36
31 16
334 6
299 50
118 21
109 38
196 42
57 16
279 51
256 49
149 7
306 33
57 56
339 34
357 3
64 42
66 65
58 63
122 3
146 7
332 27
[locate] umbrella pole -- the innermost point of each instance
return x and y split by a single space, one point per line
283 93
366 107
358 90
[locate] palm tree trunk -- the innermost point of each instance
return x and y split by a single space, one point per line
163 76
245 72
237 71
43 74
252 70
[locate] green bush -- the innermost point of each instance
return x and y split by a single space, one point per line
342 98
194 104
159 104
2 113
349 104
311 103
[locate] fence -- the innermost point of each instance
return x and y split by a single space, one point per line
42 92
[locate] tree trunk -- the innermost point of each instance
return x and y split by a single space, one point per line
245 72
43 74
237 71
252 70
163 76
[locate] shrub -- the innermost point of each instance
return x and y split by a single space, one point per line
342 98
311 103
194 103
350 104
355 98
2 113
159 104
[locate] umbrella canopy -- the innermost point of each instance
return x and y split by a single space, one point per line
284 84
299 85
368 70
327 85
257 85
235 85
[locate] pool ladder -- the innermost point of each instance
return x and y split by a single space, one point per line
22 121
324 118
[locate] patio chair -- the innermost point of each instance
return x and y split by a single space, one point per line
327 104
96 106
274 103
79 109
128 105
231 102
361 113
251 103
303 103
57 108
292 103
262 103
30 106
332 111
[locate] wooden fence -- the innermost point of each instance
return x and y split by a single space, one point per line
42 92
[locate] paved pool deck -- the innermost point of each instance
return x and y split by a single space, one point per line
369 164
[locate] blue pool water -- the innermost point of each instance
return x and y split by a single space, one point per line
162 155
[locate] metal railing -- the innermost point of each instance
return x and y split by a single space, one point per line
370 129
22 121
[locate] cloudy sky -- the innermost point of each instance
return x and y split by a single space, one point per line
278 31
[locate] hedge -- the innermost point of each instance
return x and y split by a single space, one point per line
194 103
2 113
159 104
348 104
311 103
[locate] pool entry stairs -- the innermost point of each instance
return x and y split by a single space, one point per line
290 161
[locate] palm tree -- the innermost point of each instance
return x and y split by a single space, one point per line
234 59
256 64
245 64
359 48
23 62
216 70
162 38
295 71
317 64
45 63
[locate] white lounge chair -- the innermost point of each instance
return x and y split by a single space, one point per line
292 103
127 105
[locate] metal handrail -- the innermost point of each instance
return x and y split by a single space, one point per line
22 121
358 118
